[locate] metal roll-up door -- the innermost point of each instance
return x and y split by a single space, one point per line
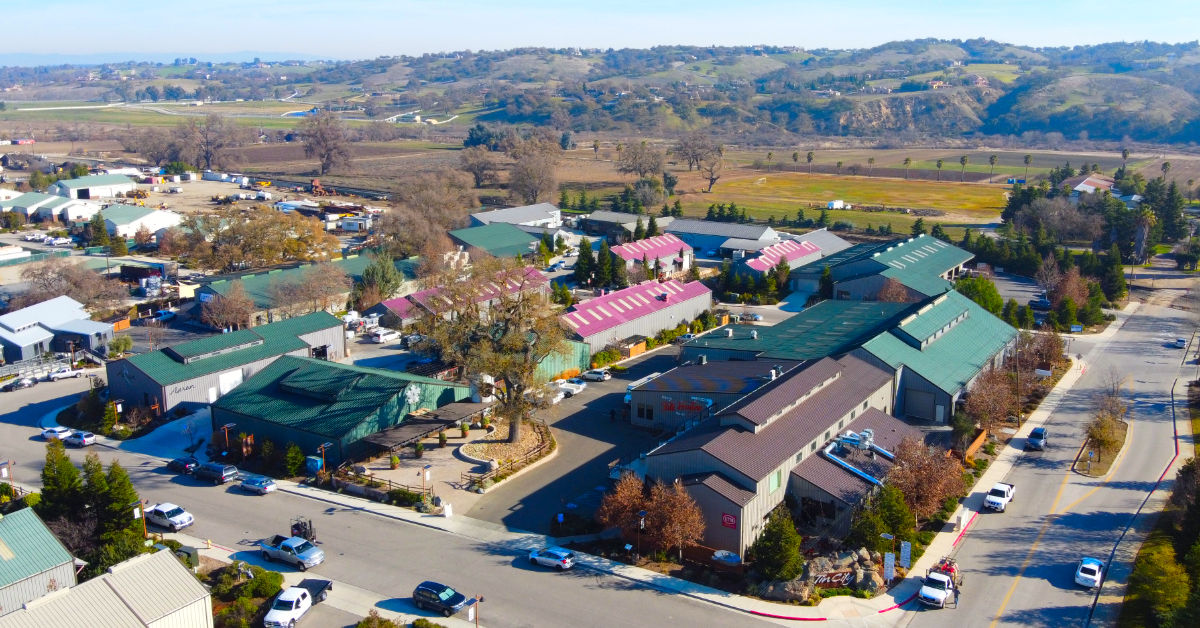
918 403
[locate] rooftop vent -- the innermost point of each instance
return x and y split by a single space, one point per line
729 332
703 359
754 335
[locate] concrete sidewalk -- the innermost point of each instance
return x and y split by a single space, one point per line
167 441
344 597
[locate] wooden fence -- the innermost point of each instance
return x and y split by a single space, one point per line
512 466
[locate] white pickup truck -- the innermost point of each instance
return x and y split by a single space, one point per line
64 372
294 602
1000 496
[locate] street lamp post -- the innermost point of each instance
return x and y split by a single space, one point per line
424 473
478 601
140 513
225 428
322 449
641 526
1017 370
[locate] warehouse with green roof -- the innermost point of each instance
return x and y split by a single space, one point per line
312 402
924 265
260 286
499 239
201 371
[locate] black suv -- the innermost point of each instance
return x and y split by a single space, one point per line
218 473
438 597
183 465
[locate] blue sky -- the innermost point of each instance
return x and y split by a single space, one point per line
368 28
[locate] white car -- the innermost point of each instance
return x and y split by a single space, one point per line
598 375
571 387
169 516
80 438
559 558
556 395
33 237
384 335
63 372
61 242
57 432
1089 572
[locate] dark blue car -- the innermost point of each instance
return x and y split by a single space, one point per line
439 598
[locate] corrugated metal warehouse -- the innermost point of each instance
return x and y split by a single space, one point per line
201 371
35 563
641 310
696 391
310 402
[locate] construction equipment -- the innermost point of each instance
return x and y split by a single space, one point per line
137 194
315 189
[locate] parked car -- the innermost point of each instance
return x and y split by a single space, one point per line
169 516
557 557
1089 572
163 316
293 602
684 339
411 340
57 432
755 317
384 335
571 387
80 438
33 237
556 395
1181 343
18 384
438 598
297 552
183 465
61 242
63 372
1000 496
598 375
711 253
1042 305
218 473
1036 439
258 484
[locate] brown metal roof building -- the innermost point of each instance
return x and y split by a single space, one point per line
737 464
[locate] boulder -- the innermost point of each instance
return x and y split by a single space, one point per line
787 590
820 564
863 555
843 560
871 582
876 557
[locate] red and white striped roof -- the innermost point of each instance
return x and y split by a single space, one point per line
651 248
603 313
516 280
791 250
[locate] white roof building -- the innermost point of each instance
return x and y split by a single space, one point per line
540 215
125 220
35 205
94 186
148 591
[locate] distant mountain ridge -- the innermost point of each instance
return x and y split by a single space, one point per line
23 59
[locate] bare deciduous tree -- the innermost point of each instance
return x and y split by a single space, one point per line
426 207
926 476
673 518
991 399
59 277
231 310
532 177
325 138
641 159
710 169
1048 274
693 148
479 163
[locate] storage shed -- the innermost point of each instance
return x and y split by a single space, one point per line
33 562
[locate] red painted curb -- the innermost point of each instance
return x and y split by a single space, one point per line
964 530
892 608
760 614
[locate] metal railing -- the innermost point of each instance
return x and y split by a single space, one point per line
347 474
40 365
36 257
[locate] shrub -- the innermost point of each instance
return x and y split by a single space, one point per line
403 497
981 464
442 438
421 622
606 357
777 550
373 620
419 449
264 584
293 461
237 615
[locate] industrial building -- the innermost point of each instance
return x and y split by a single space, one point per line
37 206
641 310
934 348
34 562
795 252
93 186
261 285
542 215
618 226
695 391
823 238
146 591
522 280
202 371
312 402
126 220
724 237
925 266
738 464
499 239
59 324
669 253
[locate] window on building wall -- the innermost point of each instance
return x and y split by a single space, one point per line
826 434
843 421
641 410
864 405
799 457
812 446
775 481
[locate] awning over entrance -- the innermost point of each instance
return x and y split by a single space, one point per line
418 426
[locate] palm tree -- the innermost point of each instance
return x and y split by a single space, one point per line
770 156
992 166
796 157
1028 160
839 167
810 160
1166 167
1144 222
871 165
1124 158
907 165
940 163
964 160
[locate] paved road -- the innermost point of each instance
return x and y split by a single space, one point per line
371 552
1019 565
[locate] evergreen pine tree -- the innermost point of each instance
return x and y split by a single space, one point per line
1024 317
1114 275
620 277
823 221
826 284
751 288
723 277
62 489
918 228
564 200
95 484
666 210
118 247
677 209
99 231
119 516
584 202
604 264
652 228
712 213
966 241
939 233
777 550
693 272
583 265
639 231
646 266
1010 312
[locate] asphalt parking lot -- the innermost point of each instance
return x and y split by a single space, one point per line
1010 286
588 440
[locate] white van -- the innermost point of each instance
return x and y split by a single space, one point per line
644 380
383 335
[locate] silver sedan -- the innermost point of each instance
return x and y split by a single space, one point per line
560 558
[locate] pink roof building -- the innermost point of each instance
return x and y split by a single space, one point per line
665 248
525 279
641 310
796 253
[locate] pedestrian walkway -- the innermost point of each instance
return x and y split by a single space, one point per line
167 441
344 597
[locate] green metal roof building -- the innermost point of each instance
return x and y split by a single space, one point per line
499 239
33 562
925 265
201 371
310 402
258 285
93 186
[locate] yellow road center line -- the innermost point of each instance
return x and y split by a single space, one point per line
1111 472
1029 557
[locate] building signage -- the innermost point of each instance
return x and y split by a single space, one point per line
889 567
683 406
834 579
179 389
905 554
729 521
